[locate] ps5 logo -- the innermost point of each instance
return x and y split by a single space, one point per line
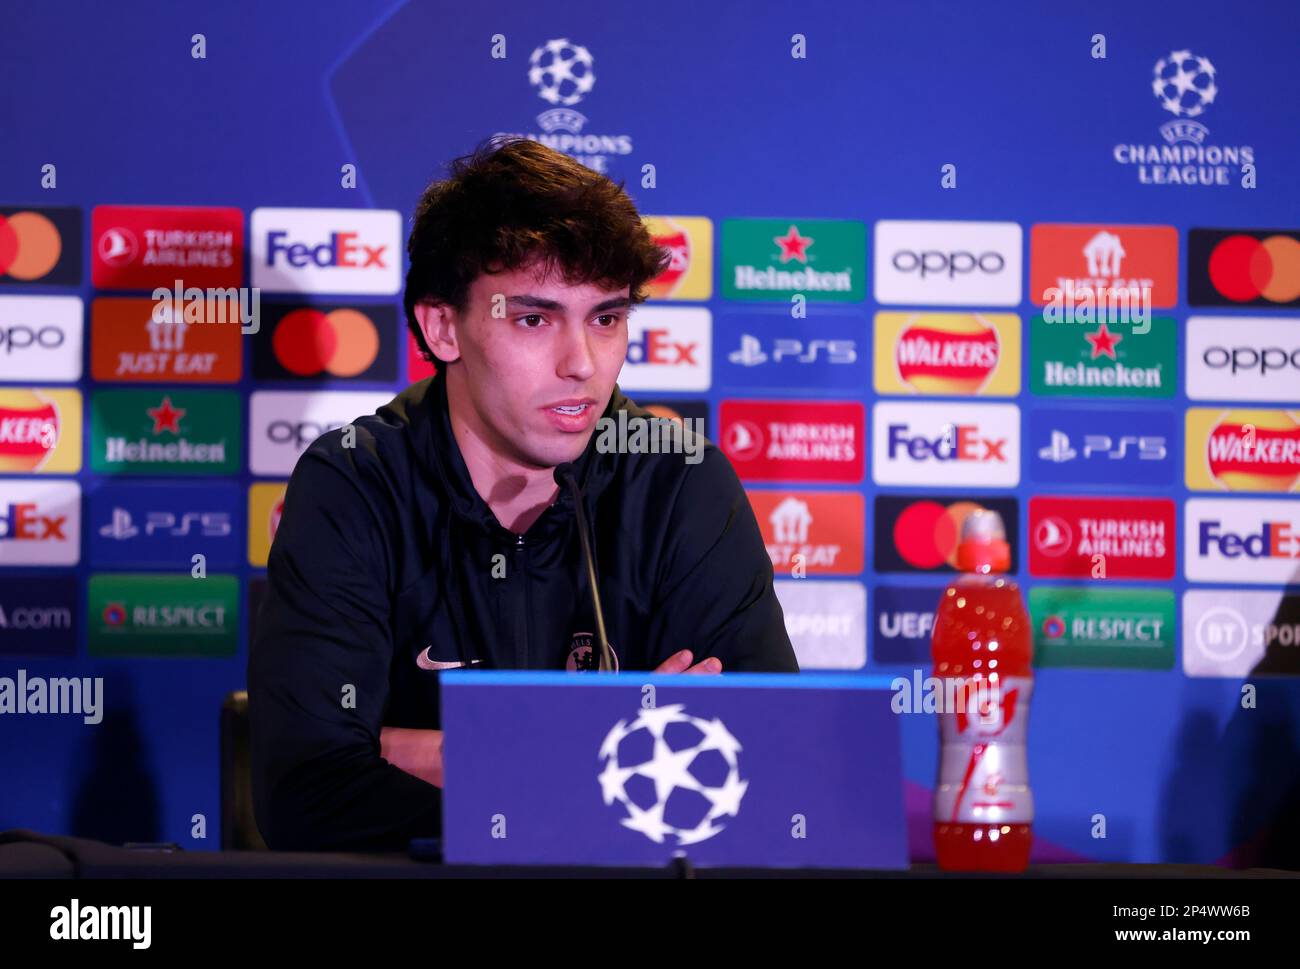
211 524
751 353
1148 448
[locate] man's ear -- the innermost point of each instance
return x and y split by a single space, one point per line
438 324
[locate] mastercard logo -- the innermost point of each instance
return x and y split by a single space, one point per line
29 430
342 343
30 246
926 532
946 353
1255 450
1244 268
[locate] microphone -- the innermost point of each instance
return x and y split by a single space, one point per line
564 476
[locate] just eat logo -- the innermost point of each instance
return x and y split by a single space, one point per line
21 523
657 347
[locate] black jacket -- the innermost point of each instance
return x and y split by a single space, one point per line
387 566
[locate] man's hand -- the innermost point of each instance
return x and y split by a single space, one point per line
417 752
681 663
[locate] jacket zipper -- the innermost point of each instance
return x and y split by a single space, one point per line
522 616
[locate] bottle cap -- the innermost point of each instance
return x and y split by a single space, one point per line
983 547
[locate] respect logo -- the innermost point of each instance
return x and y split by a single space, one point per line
1243 450
949 354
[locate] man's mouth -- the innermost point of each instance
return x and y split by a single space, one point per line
572 407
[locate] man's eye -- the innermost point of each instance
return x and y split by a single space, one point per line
534 317
609 319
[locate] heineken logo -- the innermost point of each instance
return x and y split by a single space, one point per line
167 432
1096 360
774 259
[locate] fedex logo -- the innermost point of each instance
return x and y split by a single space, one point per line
981 447
657 347
668 348
340 251
21 523
1273 540
960 442
1242 540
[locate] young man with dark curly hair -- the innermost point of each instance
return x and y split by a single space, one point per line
439 536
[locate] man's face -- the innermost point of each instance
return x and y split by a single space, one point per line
538 373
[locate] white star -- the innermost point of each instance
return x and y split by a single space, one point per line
703 831
615 737
657 718
726 799
650 823
669 770
717 737
613 781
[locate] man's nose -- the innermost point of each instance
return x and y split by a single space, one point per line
576 362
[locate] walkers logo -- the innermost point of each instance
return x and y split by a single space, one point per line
40 522
281 424
1243 358
148 246
774 352
40 245
948 263
1110 628
126 345
902 622
1115 446
1242 540
1104 264
826 621
40 431
162 615
1101 538
1102 359
305 342
562 73
40 338
327 251
1237 633
923 443
920 534
949 354
812 532
689 239
1243 450
1243 267
769 440
265 504
164 525
164 431
772 259
38 616
668 348
1186 85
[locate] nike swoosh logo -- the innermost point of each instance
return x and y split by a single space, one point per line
426 662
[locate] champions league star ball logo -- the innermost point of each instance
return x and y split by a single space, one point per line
675 775
1184 83
561 72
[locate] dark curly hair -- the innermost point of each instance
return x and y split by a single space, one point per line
511 202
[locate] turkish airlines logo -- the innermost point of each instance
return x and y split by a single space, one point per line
1243 267
794 441
1101 538
948 263
327 251
974 444
1103 262
812 532
146 247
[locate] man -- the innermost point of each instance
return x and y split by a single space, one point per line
434 535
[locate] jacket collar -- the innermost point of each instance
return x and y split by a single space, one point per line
436 448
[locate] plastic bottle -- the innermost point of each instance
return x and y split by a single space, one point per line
982 649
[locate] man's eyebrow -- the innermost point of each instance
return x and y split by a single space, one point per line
541 303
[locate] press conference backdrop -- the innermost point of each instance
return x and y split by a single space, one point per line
922 174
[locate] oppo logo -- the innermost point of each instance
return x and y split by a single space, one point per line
297 433
21 337
1251 359
931 262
